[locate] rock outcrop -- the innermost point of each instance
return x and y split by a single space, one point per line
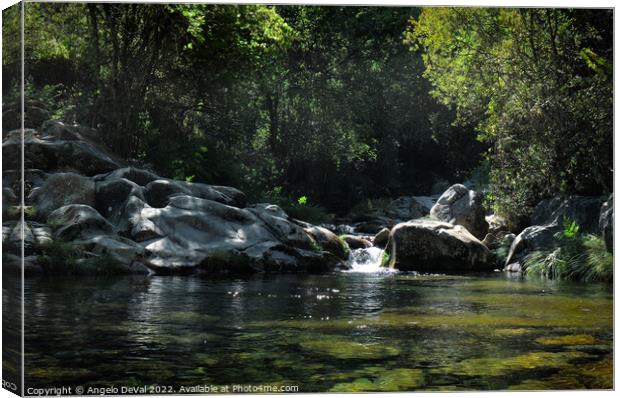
435 246
548 221
106 212
460 206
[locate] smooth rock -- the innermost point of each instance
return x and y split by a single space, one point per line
355 242
381 238
78 221
434 246
460 206
328 241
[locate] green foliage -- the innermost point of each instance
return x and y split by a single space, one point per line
570 228
501 251
598 264
251 96
385 259
303 200
537 84
582 258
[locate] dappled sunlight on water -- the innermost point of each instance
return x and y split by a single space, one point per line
335 332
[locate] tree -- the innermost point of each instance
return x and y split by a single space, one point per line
537 83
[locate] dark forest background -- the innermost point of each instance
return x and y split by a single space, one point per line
338 105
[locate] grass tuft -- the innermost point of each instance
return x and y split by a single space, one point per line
583 258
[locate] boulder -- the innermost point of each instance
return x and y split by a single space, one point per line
356 242
381 238
50 153
460 206
606 223
62 189
328 241
584 210
239 199
159 192
78 221
548 220
435 246
532 238
208 236
113 197
124 253
274 210
133 174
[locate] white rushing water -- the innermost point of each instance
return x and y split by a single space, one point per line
367 260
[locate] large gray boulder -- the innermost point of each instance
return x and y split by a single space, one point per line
460 206
208 236
606 223
548 220
51 153
159 192
435 246
62 189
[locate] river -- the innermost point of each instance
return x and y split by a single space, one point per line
345 331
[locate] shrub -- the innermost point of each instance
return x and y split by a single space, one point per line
501 252
583 258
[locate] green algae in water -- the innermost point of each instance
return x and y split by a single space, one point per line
594 375
572 339
498 366
341 348
401 379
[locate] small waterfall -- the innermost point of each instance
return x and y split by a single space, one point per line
367 260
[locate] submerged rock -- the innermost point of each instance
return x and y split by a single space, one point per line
460 206
434 246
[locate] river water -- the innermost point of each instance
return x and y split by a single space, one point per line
346 331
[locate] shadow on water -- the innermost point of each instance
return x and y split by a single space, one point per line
328 332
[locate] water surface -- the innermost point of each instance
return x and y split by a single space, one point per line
332 332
